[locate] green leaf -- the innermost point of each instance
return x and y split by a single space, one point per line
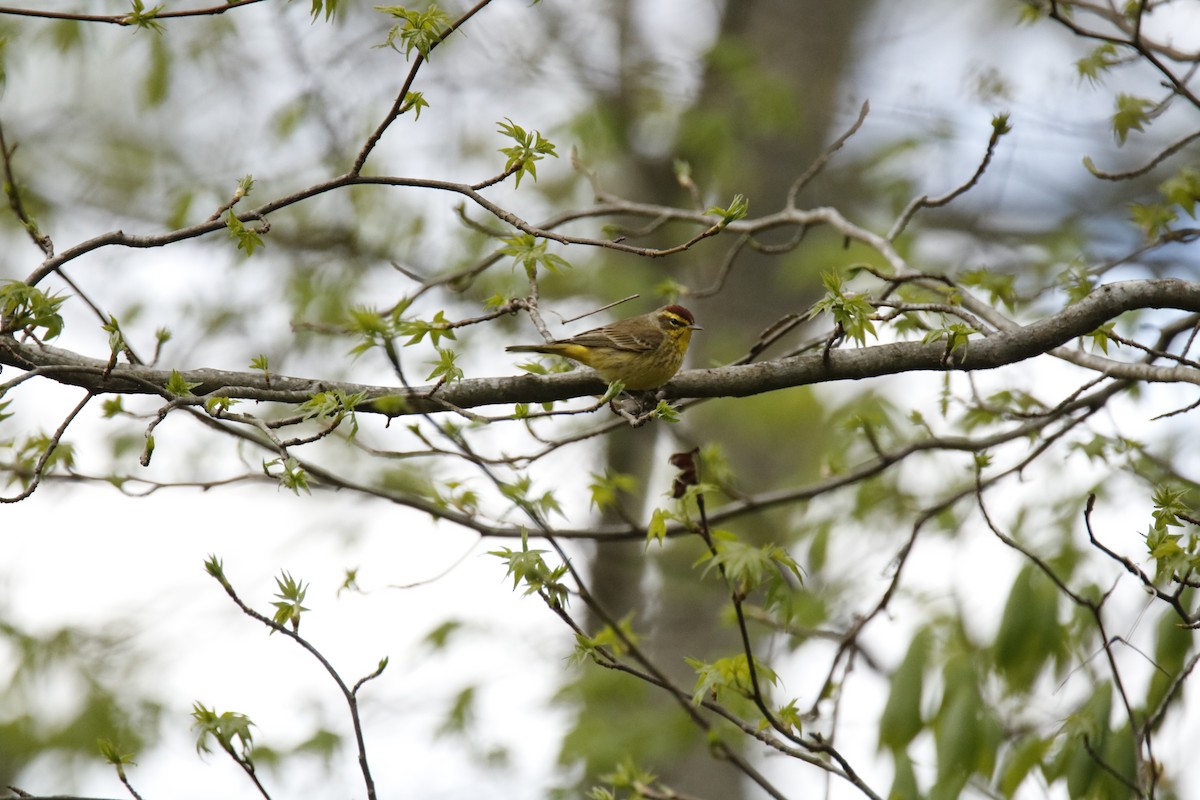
439 637
116 339
216 568
957 733
113 755
1029 633
666 412
1097 62
1183 190
852 312
1021 759
1131 115
530 148
790 716
445 370
179 387
322 743
904 780
1077 282
901 719
1031 11
417 329
291 475
519 493
27 308
334 405
956 335
215 406
613 390
414 101
745 565
112 406
1119 757
629 776
29 451
244 186
327 7
1154 219
143 18
616 641
528 567
738 209
417 30
224 728
1173 643
1001 287
1089 723
350 582
657 529
1102 336
1169 506
530 253
247 239
371 327
605 488
157 76
461 714
289 606
728 675
683 171
391 405
66 35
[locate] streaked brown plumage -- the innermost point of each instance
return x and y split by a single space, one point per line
642 352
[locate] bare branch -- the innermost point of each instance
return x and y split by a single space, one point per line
999 129
123 19
819 164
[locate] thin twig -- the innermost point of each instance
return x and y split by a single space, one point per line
999 129
1137 172
818 165
13 190
48 452
348 693
124 19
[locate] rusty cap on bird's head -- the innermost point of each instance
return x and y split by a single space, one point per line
683 314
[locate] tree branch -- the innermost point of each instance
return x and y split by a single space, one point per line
124 19
995 350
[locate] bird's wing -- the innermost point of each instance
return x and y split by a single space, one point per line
614 340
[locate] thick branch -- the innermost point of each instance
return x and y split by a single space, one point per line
995 350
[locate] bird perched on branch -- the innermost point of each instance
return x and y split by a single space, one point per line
641 352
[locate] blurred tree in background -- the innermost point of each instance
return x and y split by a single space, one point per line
918 524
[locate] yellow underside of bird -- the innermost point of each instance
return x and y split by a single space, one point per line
638 369
642 352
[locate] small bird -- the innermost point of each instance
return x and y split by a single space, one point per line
641 352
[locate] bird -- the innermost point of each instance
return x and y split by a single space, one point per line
642 352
